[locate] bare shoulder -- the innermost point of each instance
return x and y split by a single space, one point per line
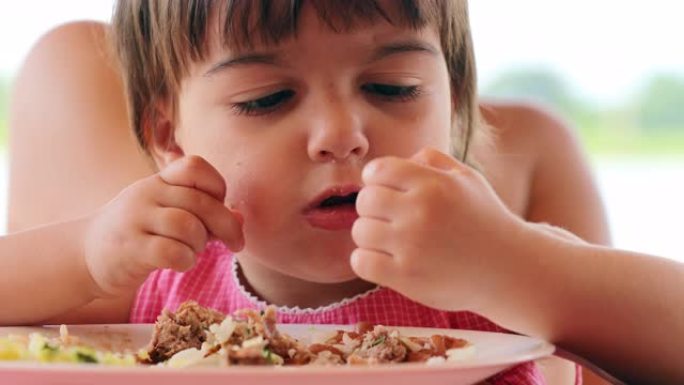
80 39
68 123
517 135
64 58
74 32
70 56
538 166
528 127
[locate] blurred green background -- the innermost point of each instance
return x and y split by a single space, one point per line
648 123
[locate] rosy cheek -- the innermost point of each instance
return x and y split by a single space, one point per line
237 194
250 196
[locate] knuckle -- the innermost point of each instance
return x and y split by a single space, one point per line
194 162
376 168
159 249
364 233
421 215
360 264
365 199
190 166
182 222
171 254
426 153
202 201
437 186
358 230
366 265
407 267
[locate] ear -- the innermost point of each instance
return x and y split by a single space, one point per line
160 132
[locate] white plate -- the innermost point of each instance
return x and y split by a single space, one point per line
494 352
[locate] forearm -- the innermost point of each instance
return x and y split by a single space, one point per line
43 273
633 315
620 310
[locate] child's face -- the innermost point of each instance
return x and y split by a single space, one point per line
292 124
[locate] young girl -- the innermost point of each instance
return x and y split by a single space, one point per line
284 104
429 227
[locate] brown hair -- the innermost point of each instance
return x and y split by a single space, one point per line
157 40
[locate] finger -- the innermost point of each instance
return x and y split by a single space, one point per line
179 225
372 234
392 172
195 172
373 266
438 160
556 231
218 219
166 253
378 202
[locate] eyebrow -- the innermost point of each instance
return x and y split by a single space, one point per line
403 47
243 60
272 59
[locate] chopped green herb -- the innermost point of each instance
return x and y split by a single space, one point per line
266 353
87 358
50 348
272 358
378 341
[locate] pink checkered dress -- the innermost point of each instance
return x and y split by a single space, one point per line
214 283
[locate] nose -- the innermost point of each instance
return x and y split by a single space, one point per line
337 132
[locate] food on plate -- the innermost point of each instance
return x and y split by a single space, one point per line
64 349
195 336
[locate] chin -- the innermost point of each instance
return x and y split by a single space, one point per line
329 275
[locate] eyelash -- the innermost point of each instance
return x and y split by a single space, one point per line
265 105
270 103
391 92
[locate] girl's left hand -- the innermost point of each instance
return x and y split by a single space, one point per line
434 230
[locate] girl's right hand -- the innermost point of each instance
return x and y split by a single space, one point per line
159 222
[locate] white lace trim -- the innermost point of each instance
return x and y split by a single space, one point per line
293 310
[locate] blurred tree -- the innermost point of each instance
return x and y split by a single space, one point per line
652 123
544 86
660 105
538 85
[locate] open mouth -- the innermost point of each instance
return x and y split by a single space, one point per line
335 209
339 200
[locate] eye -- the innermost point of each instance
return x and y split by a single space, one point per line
392 92
264 105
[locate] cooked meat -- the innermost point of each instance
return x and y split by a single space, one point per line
250 337
275 343
378 347
248 356
326 355
181 330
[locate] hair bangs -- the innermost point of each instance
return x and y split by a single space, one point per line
245 24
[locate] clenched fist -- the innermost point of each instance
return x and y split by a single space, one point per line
161 221
430 228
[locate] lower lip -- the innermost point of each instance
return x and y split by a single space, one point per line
332 218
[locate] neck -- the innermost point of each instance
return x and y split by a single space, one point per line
283 290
